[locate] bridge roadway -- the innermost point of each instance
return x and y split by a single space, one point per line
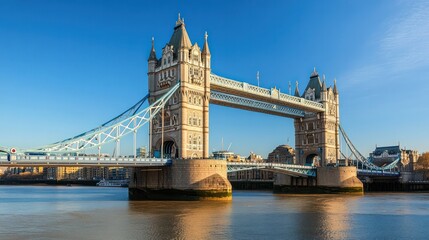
93 161
81 161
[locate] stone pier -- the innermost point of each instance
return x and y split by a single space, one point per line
328 180
184 179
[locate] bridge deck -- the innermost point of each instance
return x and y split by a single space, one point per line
80 161
92 161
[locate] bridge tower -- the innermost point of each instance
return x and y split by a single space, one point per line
317 134
185 118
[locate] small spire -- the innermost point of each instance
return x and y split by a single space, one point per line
180 21
335 86
314 73
152 55
324 84
206 49
296 90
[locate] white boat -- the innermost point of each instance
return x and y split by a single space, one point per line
112 183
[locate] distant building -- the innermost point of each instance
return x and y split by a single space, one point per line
227 155
253 157
282 154
383 156
119 173
141 152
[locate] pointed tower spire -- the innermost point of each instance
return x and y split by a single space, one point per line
335 87
180 38
314 73
296 90
152 55
324 89
206 49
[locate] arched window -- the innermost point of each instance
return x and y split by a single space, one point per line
194 120
199 142
199 121
167 119
174 120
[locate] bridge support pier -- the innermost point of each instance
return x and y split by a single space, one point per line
189 179
328 180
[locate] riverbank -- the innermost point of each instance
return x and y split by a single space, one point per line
48 182
368 187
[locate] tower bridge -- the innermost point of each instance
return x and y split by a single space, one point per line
181 88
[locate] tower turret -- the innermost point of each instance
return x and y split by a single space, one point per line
206 52
324 92
152 61
335 87
296 90
180 41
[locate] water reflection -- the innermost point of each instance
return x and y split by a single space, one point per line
106 213
321 216
182 220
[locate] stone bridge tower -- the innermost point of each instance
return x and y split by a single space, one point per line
317 134
185 119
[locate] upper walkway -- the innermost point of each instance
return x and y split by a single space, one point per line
273 96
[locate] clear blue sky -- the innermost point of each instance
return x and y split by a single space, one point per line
68 66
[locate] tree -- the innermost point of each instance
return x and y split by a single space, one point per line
423 161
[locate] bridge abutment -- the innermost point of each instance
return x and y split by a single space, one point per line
328 180
184 179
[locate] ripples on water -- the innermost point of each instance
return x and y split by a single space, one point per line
45 212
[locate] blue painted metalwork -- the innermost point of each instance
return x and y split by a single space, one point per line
275 94
366 163
128 122
80 161
290 169
227 99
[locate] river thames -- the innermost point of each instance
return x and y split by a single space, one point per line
54 212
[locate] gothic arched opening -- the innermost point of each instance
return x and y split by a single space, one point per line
312 160
170 150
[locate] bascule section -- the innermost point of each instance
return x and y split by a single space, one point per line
181 129
317 133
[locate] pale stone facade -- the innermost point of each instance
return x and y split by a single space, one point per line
186 115
317 134
282 154
185 119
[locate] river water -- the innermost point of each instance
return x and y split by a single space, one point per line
46 212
